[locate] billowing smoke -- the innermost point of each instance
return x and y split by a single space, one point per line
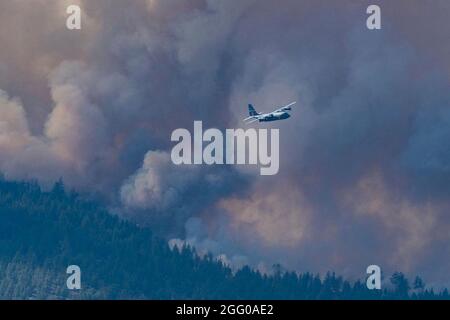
160 189
364 164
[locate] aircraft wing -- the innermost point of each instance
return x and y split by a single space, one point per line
286 106
252 121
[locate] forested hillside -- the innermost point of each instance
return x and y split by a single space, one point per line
41 233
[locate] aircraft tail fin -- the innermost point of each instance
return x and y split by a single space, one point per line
251 111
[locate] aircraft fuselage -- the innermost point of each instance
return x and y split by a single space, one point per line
274 116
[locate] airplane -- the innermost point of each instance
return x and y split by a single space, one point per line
279 114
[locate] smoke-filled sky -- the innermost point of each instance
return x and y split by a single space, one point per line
364 160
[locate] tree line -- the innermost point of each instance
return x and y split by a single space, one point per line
42 232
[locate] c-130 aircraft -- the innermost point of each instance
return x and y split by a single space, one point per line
279 114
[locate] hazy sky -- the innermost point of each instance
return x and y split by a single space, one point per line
365 160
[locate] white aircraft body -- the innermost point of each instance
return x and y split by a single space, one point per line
279 114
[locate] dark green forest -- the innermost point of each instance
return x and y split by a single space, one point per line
41 233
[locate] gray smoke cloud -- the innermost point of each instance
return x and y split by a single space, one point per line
159 191
365 165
